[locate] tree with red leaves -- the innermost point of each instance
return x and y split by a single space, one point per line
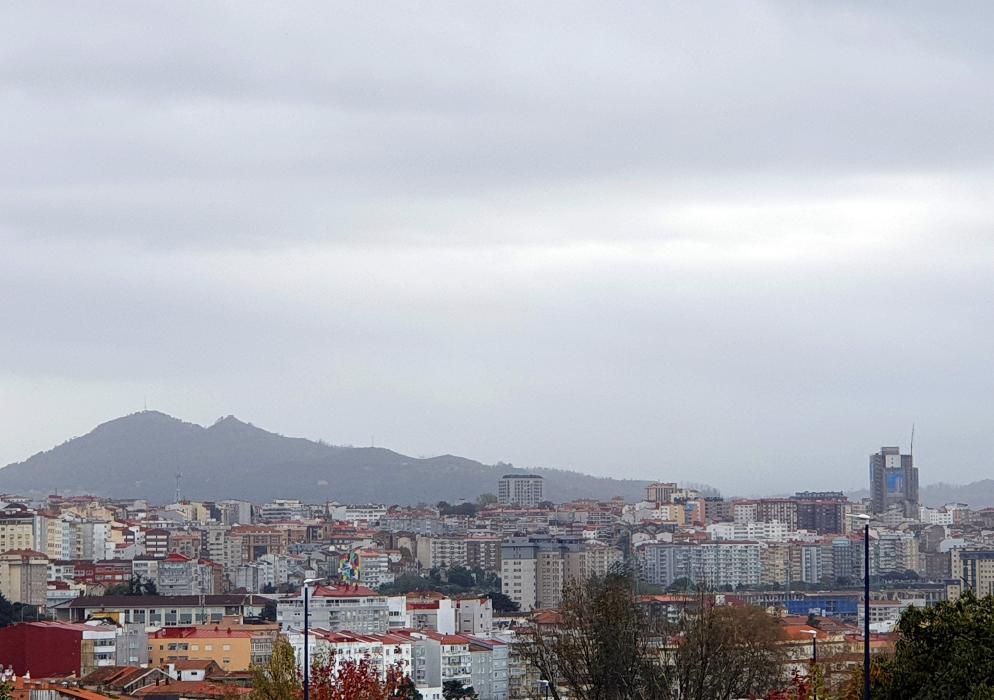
348 679
359 680
799 688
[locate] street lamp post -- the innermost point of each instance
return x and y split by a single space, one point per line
307 663
865 519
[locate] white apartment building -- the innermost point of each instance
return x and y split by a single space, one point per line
369 513
935 516
281 510
524 490
336 608
750 531
713 564
646 511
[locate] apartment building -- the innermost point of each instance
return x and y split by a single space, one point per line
179 575
525 490
282 510
660 492
24 577
17 527
231 648
483 552
340 607
440 552
489 659
713 564
253 541
182 611
974 567
823 512
535 569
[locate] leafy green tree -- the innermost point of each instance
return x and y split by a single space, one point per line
457 690
944 651
461 576
6 612
137 585
502 602
279 679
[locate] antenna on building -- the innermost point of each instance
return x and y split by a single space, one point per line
179 477
911 451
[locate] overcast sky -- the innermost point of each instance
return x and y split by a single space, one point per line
744 243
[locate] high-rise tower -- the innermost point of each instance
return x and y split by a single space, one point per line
893 482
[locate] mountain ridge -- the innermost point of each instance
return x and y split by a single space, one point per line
139 455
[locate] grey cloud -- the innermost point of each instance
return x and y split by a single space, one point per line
684 241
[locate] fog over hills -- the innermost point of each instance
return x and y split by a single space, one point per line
139 456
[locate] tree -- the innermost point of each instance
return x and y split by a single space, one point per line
137 585
601 647
681 585
461 576
6 612
269 611
502 602
23 612
726 652
605 645
944 651
352 679
457 690
279 678
486 499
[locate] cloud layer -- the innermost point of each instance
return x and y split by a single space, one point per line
743 243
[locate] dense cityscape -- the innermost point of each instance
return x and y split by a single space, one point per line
191 596
446 350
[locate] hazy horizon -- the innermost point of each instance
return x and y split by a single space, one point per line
744 245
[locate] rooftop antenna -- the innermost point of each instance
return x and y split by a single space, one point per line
912 450
179 477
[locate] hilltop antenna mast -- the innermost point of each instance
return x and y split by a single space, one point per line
179 477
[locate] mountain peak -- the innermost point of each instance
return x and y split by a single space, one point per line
138 456
230 424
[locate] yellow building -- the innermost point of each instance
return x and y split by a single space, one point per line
234 648
16 527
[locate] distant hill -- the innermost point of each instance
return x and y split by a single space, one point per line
138 456
978 494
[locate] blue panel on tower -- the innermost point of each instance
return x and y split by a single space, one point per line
895 482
